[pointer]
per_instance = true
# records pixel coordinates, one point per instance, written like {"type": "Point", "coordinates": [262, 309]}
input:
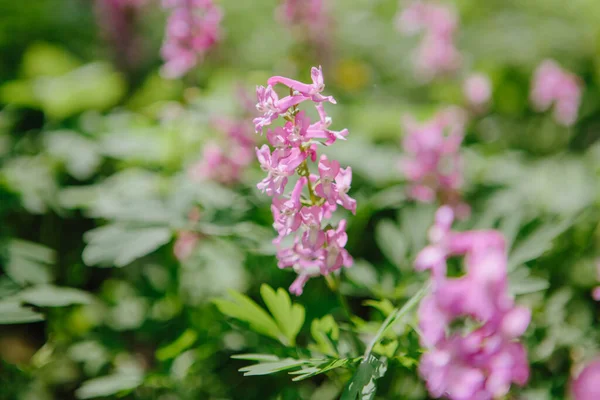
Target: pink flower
{"type": "Point", "coordinates": [328, 170]}
{"type": "Point", "coordinates": [484, 363]}
{"type": "Point", "coordinates": [279, 165]}
{"type": "Point", "coordinates": [185, 244]}
{"type": "Point", "coordinates": [287, 212]}
{"type": "Point", "coordinates": [554, 86]}
{"type": "Point", "coordinates": [336, 254]}
{"type": "Point", "coordinates": [193, 28]}
{"type": "Point", "coordinates": [478, 90]}
{"type": "Point", "coordinates": [434, 164]}
{"type": "Point", "coordinates": [585, 386]}
{"type": "Point", "coordinates": [436, 53]}
{"type": "Point", "coordinates": [308, 91]}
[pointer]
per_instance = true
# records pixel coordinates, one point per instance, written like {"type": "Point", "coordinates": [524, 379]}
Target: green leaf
{"type": "Point", "coordinates": [54, 296]}
{"type": "Point", "coordinates": [289, 318]}
{"type": "Point", "coordinates": [246, 310]}
{"type": "Point", "coordinates": [308, 372]}
{"type": "Point", "coordinates": [326, 333]}
{"type": "Point", "coordinates": [109, 385]}
{"type": "Point", "coordinates": [181, 344]}
{"type": "Point", "coordinates": [520, 282]}
{"type": "Point", "coordinates": [362, 385]}
{"type": "Point", "coordinates": [255, 357]}
{"type": "Point", "coordinates": [537, 243]}
{"type": "Point", "coordinates": [121, 245]}
{"type": "Point", "coordinates": [29, 262]}
{"type": "Point", "coordinates": [12, 312]}
{"type": "Point", "coordinates": [79, 154]}
{"type": "Point", "coordinates": [391, 242]}
{"type": "Point", "coordinates": [268, 368]}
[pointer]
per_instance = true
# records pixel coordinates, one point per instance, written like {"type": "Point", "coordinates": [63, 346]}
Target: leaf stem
{"type": "Point", "coordinates": [394, 317]}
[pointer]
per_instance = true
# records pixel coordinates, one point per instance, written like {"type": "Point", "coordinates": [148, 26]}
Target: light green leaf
{"type": "Point", "coordinates": [12, 312]}
{"type": "Point", "coordinates": [121, 245]}
{"type": "Point", "coordinates": [177, 347]}
{"type": "Point", "coordinates": [255, 357]}
{"type": "Point", "coordinates": [308, 372]}
{"type": "Point", "coordinates": [326, 333]}
{"type": "Point", "coordinates": [520, 282]}
{"type": "Point", "coordinates": [362, 385]}
{"type": "Point", "coordinates": [391, 242]}
{"type": "Point", "coordinates": [29, 262]}
{"type": "Point", "coordinates": [268, 368]}
{"type": "Point", "coordinates": [54, 296]}
{"type": "Point", "coordinates": [245, 309]}
{"type": "Point", "coordinates": [79, 154]}
{"type": "Point", "coordinates": [289, 318]}
{"type": "Point", "coordinates": [109, 385]}
{"type": "Point", "coordinates": [537, 243]}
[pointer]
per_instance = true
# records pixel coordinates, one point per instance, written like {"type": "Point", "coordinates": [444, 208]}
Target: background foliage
{"type": "Point", "coordinates": [94, 190]}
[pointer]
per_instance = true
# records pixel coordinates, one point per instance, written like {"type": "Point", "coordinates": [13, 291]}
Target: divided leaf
{"type": "Point", "coordinates": [119, 245]}
{"type": "Point", "coordinates": [284, 324]}
{"type": "Point", "coordinates": [289, 317]}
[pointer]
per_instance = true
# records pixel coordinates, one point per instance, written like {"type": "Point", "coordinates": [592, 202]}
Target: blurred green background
{"type": "Point", "coordinates": [94, 148]}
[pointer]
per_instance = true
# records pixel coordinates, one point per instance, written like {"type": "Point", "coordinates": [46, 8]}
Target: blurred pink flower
{"type": "Point", "coordinates": [586, 386]}
{"type": "Point", "coordinates": [478, 90]}
{"type": "Point", "coordinates": [485, 362]}
{"type": "Point", "coordinates": [552, 85]}
{"type": "Point", "coordinates": [185, 244]}
{"type": "Point", "coordinates": [434, 164]}
{"type": "Point", "coordinates": [192, 29]}
{"type": "Point", "coordinates": [436, 53]}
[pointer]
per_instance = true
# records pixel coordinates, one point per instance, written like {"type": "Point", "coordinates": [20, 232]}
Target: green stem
{"type": "Point", "coordinates": [394, 317]}
{"type": "Point", "coordinates": [334, 286]}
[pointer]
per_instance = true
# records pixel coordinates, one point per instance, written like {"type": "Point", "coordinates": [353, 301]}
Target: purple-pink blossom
{"type": "Point", "coordinates": [477, 89]}
{"type": "Point", "coordinates": [433, 166]}
{"type": "Point", "coordinates": [483, 363]}
{"type": "Point", "coordinates": [596, 290]}
{"type": "Point", "coordinates": [586, 386]}
{"type": "Point", "coordinates": [224, 161]}
{"type": "Point", "coordinates": [193, 28]}
{"type": "Point", "coordinates": [555, 87]}
{"type": "Point", "coordinates": [437, 53]}
{"type": "Point", "coordinates": [318, 246]}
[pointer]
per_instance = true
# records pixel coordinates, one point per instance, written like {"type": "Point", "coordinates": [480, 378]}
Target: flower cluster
{"type": "Point", "coordinates": [317, 247]}
{"type": "Point", "coordinates": [587, 384]}
{"type": "Point", "coordinates": [193, 28]}
{"type": "Point", "coordinates": [225, 163]}
{"type": "Point", "coordinates": [483, 363]}
{"type": "Point", "coordinates": [434, 165]}
{"type": "Point", "coordinates": [437, 53]}
{"type": "Point", "coordinates": [554, 86]}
